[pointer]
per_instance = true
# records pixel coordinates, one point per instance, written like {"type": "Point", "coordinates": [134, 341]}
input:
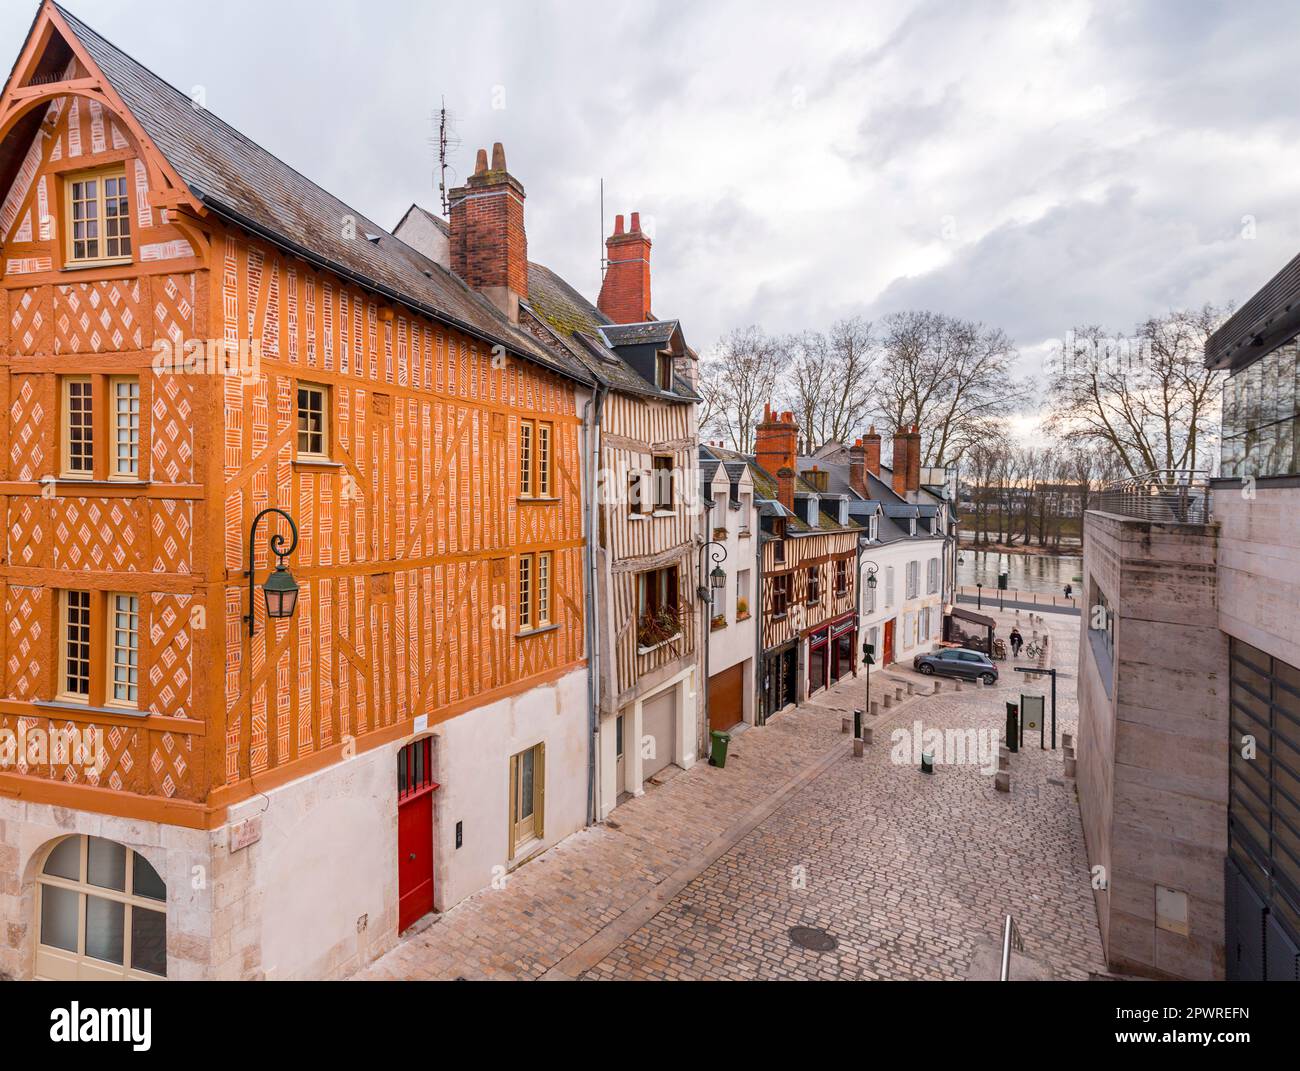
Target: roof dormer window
{"type": "Point", "coordinates": [664, 371]}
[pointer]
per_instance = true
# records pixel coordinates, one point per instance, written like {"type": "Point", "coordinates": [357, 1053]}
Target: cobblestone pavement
{"type": "Point", "coordinates": [704, 876]}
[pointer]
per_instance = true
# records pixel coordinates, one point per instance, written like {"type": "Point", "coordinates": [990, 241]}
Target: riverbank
{"type": "Point", "coordinates": [1069, 550]}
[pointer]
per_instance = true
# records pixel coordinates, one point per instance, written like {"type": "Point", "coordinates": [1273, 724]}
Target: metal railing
{"type": "Point", "coordinates": [1177, 496]}
{"type": "Point", "coordinates": [1010, 939]}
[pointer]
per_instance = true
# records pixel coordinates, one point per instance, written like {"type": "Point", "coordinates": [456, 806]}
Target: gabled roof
{"type": "Point", "coordinates": [424, 213]}
{"type": "Point", "coordinates": [239, 181]}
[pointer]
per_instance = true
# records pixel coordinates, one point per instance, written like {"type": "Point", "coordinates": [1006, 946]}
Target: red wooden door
{"type": "Point", "coordinates": [415, 788]}
{"type": "Point", "coordinates": [889, 643]}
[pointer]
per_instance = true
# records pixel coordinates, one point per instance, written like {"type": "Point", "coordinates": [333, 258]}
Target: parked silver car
{"type": "Point", "coordinates": [957, 662]}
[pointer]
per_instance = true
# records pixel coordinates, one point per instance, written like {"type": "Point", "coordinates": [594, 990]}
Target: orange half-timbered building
{"type": "Point", "coordinates": [193, 334]}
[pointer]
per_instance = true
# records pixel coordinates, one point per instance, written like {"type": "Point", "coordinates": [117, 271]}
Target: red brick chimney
{"type": "Point", "coordinates": [785, 488]}
{"type": "Point", "coordinates": [872, 442]}
{"type": "Point", "coordinates": [489, 248]}
{"type": "Point", "coordinates": [858, 468]}
{"type": "Point", "coordinates": [775, 445]}
{"type": "Point", "coordinates": [914, 459]}
{"type": "Point", "coordinates": [625, 293]}
{"type": "Point", "coordinates": [901, 460]}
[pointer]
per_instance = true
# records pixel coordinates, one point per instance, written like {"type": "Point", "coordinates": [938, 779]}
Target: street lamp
{"type": "Point", "coordinates": [717, 581]}
{"type": "Point", "coordinates": [868, 654]}
{"type": "Point", "coordinates": [280, 591]}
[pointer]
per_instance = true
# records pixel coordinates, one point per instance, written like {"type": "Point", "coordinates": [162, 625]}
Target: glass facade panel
{"type": "Point", "coordinates": [1261, 411]}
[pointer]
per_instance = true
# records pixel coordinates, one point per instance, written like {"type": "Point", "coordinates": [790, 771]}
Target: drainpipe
{"type": "Point", "coordinates": [861, 634]}
{"type": "Point", "coordinates": [759, 719]}
{"type": "Point", "coordinates": [591, 417]}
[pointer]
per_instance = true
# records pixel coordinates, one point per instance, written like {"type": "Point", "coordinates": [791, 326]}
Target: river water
{"type": "Point", "coordinates": [1045, 573]}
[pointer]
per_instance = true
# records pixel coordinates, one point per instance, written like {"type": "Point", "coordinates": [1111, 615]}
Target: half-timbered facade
{"type": "Point", "coordinates": [193, 334]}
{"type": "Point", "coordinates": [648, 614]}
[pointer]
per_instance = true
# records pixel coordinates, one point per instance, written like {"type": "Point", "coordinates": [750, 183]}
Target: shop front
{"type": "Point", "coordinates": [780, 681]}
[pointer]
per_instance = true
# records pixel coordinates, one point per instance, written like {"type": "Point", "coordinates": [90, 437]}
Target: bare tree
{"type": "Point", "coordinates": [833, 378]}
{"type": "Point", "coordinates": [948, 376]}
{"type": "Point", "coordinates": [1147, 401]}
{"type": "Point", "coordinates": [737, 378]}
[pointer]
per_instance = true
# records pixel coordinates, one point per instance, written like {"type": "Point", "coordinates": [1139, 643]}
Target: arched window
{"type": "Point", "coordinates": [102, 913]}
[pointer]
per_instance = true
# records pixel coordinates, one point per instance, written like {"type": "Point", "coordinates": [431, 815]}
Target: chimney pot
{"type": "Point", "coordinates": [489, 246]}
{"type": "Point", "coordinates": [625, 292]}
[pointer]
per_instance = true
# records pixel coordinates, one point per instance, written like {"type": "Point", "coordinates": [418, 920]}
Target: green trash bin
{"type": "Point", "coordinates": [720, 741]}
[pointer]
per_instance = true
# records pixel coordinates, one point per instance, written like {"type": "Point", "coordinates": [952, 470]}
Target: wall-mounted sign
{"type": "Point", "coordinates": [246, 832]}
{"type": "Point", "coordinates": [422, 723]}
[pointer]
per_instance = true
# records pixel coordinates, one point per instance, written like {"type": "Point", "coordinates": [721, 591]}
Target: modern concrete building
{"type": "Point", "coordinates": [1189, 691]}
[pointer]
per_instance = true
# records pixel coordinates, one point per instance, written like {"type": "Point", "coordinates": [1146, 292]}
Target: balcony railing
{"type": "Point", "coordinates": [1171, 496]}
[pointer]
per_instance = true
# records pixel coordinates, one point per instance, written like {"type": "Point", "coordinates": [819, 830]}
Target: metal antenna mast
{"type": "Point", "coordinates": [448, 142]}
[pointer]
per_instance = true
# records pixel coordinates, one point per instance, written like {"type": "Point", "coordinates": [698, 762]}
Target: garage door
{"type": "Point", "coordinates": [726, 698]}
{"type": "Point", "coordinates": [659, 719]}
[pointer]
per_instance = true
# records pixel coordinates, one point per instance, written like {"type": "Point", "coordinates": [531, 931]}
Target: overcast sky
{"type": "Point", "coordinates": [1033, 165]}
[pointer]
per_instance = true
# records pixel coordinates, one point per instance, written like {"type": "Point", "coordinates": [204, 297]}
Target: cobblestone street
{"type": "Point", "coordinates": [705, 875]}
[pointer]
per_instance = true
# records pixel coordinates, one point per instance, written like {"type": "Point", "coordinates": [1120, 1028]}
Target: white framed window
{"type": "Point", "coordinates": [102, 912]}
{"type": "Point", "coordinates": [932, 576]}
{"type": "Point", "coordinates": [889, 585]}
{"type": "Point", "coordinates": [913, 579]}
{"type": "Point", "coordinates": [124, 393]}
{"type": "Point", "coordinates": [124, 650]}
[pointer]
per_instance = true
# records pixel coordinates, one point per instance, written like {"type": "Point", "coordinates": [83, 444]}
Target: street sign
{"type": "Point", "coordinates": [1031, 718]}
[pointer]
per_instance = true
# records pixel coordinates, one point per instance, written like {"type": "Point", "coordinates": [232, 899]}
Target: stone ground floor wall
{"type": "Point", "coordinates": [182, 858]}
{"type": "Point", "coordinates": [314, 895]}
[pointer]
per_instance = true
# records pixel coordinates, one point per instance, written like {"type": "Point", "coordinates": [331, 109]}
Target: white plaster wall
{"type": "Point", "coordinates": [473, 767]}
{"type": "Point", "coordinates": [319, 890]}
{"type": "Point", "coordinates": [736, 643]}
{"type": "Point", "coordinates": [898, 555]}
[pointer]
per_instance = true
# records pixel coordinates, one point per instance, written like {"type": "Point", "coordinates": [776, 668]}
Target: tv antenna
{"type": "Point", "coordinates": [447, 142]}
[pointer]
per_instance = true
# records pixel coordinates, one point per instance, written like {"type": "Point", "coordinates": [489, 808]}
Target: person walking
{"type": "Point", "coordinates": [1017, 641]}
{"type": "Point", "coordinates": [1069, 591]}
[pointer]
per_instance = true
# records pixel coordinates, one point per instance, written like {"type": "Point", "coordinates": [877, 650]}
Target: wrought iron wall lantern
{"type": "Point", "coordinates": [280, 591]}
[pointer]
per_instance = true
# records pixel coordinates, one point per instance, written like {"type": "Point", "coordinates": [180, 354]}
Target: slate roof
{"type": "Point", "coordinates": [592, 338]}
{"type": "Point", "coordinates": [654, 332]}
{"type": "Point", "coordinates": [766, 492]}
{"type": "Point", "coordinates": [241, 182]}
